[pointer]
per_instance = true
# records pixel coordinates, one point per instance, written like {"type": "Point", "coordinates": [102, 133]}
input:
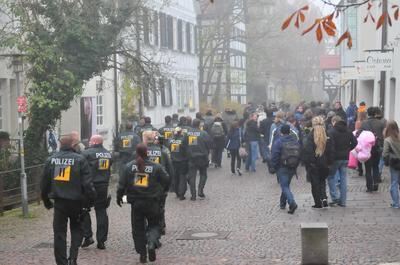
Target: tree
{"type": "Point", "coordinates": [65, 44]}
{"type": "Point", "coordinates": [327, 24]}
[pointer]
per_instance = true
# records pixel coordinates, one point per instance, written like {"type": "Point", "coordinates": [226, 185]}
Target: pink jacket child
{"type": "Point", "coordinates": [366, 140]}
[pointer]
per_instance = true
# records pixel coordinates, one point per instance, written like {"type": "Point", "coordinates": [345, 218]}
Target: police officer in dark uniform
{"type": "Point", "coordinates": [67, 180]}
{"type": "Point", "coordinates": [128, 140]}
{"type": "Point", "coordinates": [147, 127]}
{"type": "Point", "coordinates": [144, 182]}
{"type": "Point", "coordinates": [178, 146]}
{"type": "Point", "coordinates": [168, 130]}
{"type": "Point", "coordinates": [100, 161]}
{"type": "Point", "coordinates": [199, 145]}
{"type": "Point", "coordinates": [159, 154]}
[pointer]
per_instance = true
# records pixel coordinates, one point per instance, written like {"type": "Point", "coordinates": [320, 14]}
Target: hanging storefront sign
{"type": "Point", "coordinates": [377, 61]}
{"type": "Point", "coordinates": [362, 72]}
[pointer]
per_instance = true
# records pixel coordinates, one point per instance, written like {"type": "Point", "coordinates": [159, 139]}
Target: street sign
{"type": "Point", "coordinates": [22, 104]}
{"type": "Point", "coordinates": [362, 72]}
{"type": "Point", "coordinates": [377, 61]}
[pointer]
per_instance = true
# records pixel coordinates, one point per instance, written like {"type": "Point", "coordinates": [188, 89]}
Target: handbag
{"type": "Point", "coordinates": [353, 162]}
{"type": "Point", "coordinates": [242, 152]}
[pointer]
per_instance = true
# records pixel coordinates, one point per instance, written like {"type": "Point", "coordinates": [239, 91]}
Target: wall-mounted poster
{"type": "Point", "coordinates": [88, 118]}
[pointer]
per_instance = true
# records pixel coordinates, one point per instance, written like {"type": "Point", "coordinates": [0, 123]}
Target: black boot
{"type": "Point", "coordinates": [152, 252]}
{"type": "Point", "coordinates": [143, 258]}
{"type": "Point", "coordinates": [72, 262]}
{"type": "Point", "coordinates": [87, 242]}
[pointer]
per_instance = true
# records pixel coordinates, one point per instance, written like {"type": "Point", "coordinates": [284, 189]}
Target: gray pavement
{"type": "Point", "coordinates": [244, 208]}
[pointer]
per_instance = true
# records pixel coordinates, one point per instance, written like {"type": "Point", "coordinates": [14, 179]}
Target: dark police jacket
{"type": "Point", "coordinates": [199, 144]}
{"type": "Point", "coordinates": [167, 132]}
{"type": "Point", "coordinates": [178, 146]}
{"type": "Point", "coordinates": [147, 185]}
{"type": "Point", "coordinates": [160, 155]}
{"type": "Point", "coordinates": [127, 145]}
{"type": "Point", "coordinates": [67, 176]}
{"type": "Point", "coordinates": [100, 161]}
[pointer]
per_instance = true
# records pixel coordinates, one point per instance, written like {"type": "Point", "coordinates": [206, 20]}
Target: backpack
{"type": "Point", "coordinates": [217, 130]}
{"type": "Point", "coordinates": [290, 154]}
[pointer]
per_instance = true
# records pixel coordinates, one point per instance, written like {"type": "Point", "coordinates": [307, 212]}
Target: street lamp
{"type": "Point", "coordinates": [100, 84]}
{"type": "Point", "coordinates": [18, 68]}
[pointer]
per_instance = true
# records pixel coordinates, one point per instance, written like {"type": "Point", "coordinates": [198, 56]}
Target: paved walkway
{"type": "Point", "coordinates": [246, 209]}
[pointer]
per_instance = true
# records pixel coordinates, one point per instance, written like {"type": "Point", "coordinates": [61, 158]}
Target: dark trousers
{"type": "Point", "coordinates": [193, 168]}
{"type": "Point", "coordinates": [145, 217]}
{"type": "Point", "coordinates": [216, 155]}
{"type": "Point", "coordinates": [162, 201]}
{"type": "Point", "coordinates": [360, 169]}
{"type": "Point", "coordinates": [65, 210]}
{"type": "Point", "coordinates": [100, 207]}
{"type": "Point", "coordinates": [236, 161]}
{"type": "Point", "coordinates": [181, 180]}
{"type": "Point", "coordinates": [372, 171]}
{"type": "Point", "coordinates": [318, 184]}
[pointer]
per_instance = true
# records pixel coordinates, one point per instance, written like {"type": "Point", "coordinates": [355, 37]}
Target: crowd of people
{"type": "Point", "coordinates": [153, 162]}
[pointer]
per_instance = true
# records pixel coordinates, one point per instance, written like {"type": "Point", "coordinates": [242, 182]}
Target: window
{"type": "Point", "coordinates": [195, 39]}
{"type": "Point", "coordinates": [146, 26]}
{"type": "Point", "coordinates": [352, 24]}
{"type": "Point", "coordinates": [170, 32]}
{"type": "Point", "coordinates": [180, 40]}
{"type": "Point", "coordinates": [188, 38]}
{"type": "Point", "coordinates": [165, 88]}
{"type": "Point", "coordinates": [155, 28]}
{"type": "Point", "coordinates": [163, 30]}
{"type": "Point", "coordinates": [152, 98]}
{"type": "Point", "coordinates": [100, 110]}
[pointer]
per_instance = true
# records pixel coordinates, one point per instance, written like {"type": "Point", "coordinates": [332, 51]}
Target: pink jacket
{"type": "Point", "coordinates": [366, 141]}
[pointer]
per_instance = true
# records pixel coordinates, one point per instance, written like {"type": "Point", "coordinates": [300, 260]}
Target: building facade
{"type": "Point", "coordinates": [222, 51]}
{"type": "Point", "coordinates": [361, 75]}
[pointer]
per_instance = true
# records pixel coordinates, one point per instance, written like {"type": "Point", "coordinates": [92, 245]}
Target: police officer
{"type": "Point", "coordinates": [159, 154]}
{"type": "Point", "coordinates": [178, 148]}
{"type": "Point", "coordinates": [199, 144]}
{"type": "Point", "coordinates": [144, 182]}
{"type": "Point", "coordinates": [168, 130]}
{"type": "Point", "coordinates": [147, 127]}
{"type": "Point", "coordinates": [67, 180]}
{"type": "Point", "coordinates": [100, 161]}
{"type": "Point", "coordinates": [128, 140]}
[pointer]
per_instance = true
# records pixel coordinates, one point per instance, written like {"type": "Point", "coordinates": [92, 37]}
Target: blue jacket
{"type": "Point", "coordinates": [277, 149]}
{"type": "Point", "coordinates": [234, 138]}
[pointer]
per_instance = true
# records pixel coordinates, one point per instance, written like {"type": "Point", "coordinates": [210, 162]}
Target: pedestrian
{"type": "Point", "coordinates": [178, 147]}
{"type": "Point", "coordinates": [199, 145]}
{"type": "Point", "coordinates": [265, 130]}
{"type": "Point", "coordinates": [233, 143]}
{"type": "Point", "coordinates": [317, 155]}
{"type": "Point", "coordinates": [218, 133]}
{"type": "Point", "coordinates": [391, 156]}
{"type": "Point", "coordinates": [138, 128]}
{"type": "Point", "coordinates": [285, 158]}
{"type": "Point", "coordinates": [375, 126]}
{"type": "Point", "coordinates": [343, 142]}
{"type": "Point", "coordinates": [340, 111]}
{"type": "Point", "coordinates": [175, 120]}
{"type": "Point", "coordinates": [252, 139]}
{"type": "Point", "coordinates": [159, 154]}
{"type": "Point", "coordinates": [67, 180]}
{"type": "Point", "coordinates": [52, 142]}
{"type": "Point", "coordinates": [144, 183]}
{"type": "Point", "coordinates": [208, 120]}
{"type": "Point", "coordinates": [276, 127]}
{"type": "Point", "coordinates": [147, 127]}
{"type": "Point", "coordinates": [100, 161]}
{"type": "Point", "coordinates": [351, 114]}
{"type": "Point", "coordinates": [299, 113]}
{"type": "Point", "coordinates": [168, 130]}
{"type": "Point", "coordinates": [127, 142]}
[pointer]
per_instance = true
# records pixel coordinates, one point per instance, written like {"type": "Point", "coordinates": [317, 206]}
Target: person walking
{"type": "Point", "coordinates": [252, 138]}
{"type": "Point", "coordinates": [351, 114]}
{"type": "Point", "coordinates": [199, 144]}
{"type": "Point", "coordinates": [285, 158]}
{"type": "Point", "coordinates": [233, 143]}
{"type": "Point", "coordinates": [340, 111]}
{"type": "Point", "coordinates": [127, 142]}
{"type": "Point", "coordinates": [375, 126]}
{"type": "Point", "coordinates": [67, 180]}
{"type": "Point", "coordinates": [343, 142]}
{"type": "Point", "coordinates": [178, 147]}
{"type": "Point", "coordinates": [144, 183]}
{"type": "Point", "coordinates": [218, 132]}
{"type": "Point", "coordinates": [168, 130]}
{"type": "Point", "coordinates": [317, 155]}
{"type": "Point", "coordinates": [265, 130]}
{"type": "Point", "coordinates": [100, 161]}
{"type": "Point", "coordinates": [391, 156]}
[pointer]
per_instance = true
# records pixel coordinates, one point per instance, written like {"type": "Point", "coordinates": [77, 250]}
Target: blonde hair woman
{"type": "Point", "coordinates": [318, 156]}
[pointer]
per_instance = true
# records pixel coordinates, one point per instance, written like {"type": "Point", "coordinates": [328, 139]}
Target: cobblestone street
{"type": "Point", "coordinates": [246, 208]}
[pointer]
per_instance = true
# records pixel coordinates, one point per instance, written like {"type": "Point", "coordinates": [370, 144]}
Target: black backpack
{"type": "Point", "coordinates": [290, 154]}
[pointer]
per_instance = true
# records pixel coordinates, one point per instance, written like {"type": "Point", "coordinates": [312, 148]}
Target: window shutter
{"type": "Point", "coordinates": [155, 28]}
{"type": "Point", "coordinates": [162, 90]}
{"type": "Point", "coordinates": [188, 39]}
{"type": "Point", "coordinates": [180, 45]}
{"type": "Point", "coordinates": [146, 25]}
{"type": "Point", "coordinates": [170, 92]}
{"type": "Point", "coordinates": [163, 30]}
{"type": "Point", "coordinates": [170, 33]}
